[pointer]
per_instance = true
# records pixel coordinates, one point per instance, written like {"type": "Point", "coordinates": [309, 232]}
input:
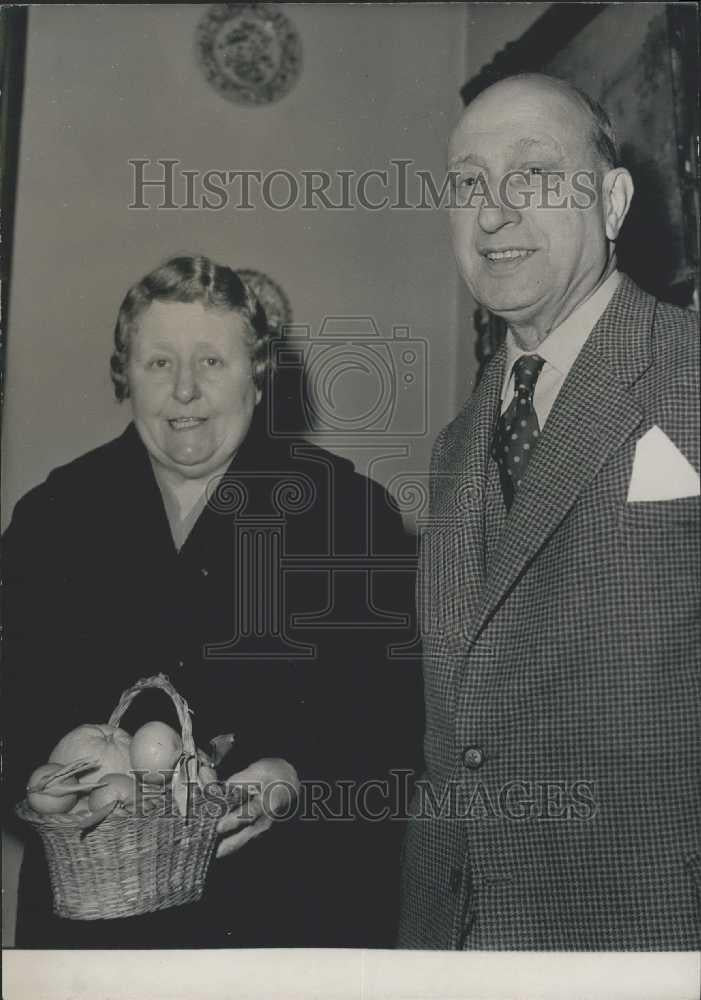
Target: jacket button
{"type": "Point", "coordinates": [473, 757]}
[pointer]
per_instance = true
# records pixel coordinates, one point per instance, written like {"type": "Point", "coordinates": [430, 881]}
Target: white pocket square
{"type": "Point", "coordinates": [660, 471]}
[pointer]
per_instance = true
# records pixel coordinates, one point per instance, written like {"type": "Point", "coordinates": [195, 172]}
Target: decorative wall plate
{"type": "Point", "coordinates": [277, 306]}
{"type": "Point", "coordinates": [249, 52]}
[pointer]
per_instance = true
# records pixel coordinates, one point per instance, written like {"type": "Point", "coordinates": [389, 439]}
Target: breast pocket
{"type": "Point", "coordinates": [662, 521]}
{"type": "Point", "coordinates": [659, 546]}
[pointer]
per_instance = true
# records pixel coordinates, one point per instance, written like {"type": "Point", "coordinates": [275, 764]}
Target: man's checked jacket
{"type": "Point", "coordinates": [561, 803]}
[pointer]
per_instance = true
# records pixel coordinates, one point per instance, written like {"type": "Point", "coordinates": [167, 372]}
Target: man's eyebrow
{"type": "Point", "coordinates": [465, 159]}
{"type": "Point", "coordinates": [527, 146]}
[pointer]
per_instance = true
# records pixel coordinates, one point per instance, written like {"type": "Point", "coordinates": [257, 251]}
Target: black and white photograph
{"type": "Point", "coordinates": [351, 501]}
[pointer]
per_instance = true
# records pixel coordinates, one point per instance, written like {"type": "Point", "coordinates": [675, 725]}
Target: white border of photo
{"type": "Point", "coordinates": [349, 975]}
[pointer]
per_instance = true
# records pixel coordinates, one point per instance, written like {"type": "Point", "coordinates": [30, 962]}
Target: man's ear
{"type": "Point", "coordinates": [617, 192]}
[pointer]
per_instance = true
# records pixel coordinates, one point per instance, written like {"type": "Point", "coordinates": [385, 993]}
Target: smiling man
{"type": "Point", "coordinates": [539, 251]}
{"type": "Point", "coordinates": [560, 805]}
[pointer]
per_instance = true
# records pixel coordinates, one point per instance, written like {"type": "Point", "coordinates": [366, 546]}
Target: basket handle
{"type": "Point", "coordinates": [181, 706]}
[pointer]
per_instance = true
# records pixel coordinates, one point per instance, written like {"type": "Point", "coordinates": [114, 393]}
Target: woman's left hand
{"type": "Point", "coordinates": [270, 787]}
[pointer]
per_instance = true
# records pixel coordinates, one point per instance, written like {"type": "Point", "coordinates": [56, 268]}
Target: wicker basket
{"type": "Point", "coordinates": [129, 865]}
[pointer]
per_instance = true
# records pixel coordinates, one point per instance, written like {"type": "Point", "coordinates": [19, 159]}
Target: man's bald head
{"type": "Point", "coordinates": [602, 134]}
{"type": "Point", "coordinates": [597, 123]}
{"type": "Point", "coordinates": [528, 245]}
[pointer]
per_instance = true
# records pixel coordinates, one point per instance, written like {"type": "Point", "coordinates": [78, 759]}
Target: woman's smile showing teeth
{"type": "Point", "coordinates": [186, 423]}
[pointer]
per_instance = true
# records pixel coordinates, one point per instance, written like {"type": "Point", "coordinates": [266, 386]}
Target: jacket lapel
{"type": "Point", "coordinates": [143, 514]}
{"type": "Point", "coordinates": [453, 565]}
{"type": "Point", "coordinates": [594, 414]}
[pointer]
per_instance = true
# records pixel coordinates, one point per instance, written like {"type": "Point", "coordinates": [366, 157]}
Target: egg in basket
{"type": "Point", "coordinates": [128, 823]}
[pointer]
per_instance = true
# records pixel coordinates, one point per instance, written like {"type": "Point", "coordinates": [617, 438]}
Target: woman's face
{"type": "Point", "coordinates": [191, 386]}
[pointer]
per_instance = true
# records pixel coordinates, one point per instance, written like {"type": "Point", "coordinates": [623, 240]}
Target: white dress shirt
{"type": "Point", "coordinates": [559, 350]}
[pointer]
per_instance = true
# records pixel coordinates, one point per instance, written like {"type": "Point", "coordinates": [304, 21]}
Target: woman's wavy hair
{"type": "Point", "coordinates": [190, 279]}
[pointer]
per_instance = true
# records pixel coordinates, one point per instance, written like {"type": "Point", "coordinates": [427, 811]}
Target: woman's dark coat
{"type": "Point", "coordinates": [97, 596]}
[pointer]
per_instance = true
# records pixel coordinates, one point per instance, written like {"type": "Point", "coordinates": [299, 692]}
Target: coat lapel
{"type": "Point", "coordinates": [143, 514]}
{"type": "Point", "coordinates": [453, 565]}
{"type": "Point", "coordinates": [595, 413]}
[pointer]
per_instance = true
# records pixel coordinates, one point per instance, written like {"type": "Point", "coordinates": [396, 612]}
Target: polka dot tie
{"type": "Point", "coordinates": [517, 430]}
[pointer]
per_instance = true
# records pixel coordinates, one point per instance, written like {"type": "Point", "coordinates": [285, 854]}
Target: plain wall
{"type": "Point", "coordinates": [105, 84]}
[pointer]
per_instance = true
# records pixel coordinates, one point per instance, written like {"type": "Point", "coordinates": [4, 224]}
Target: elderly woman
{"type": "Point", "coordinates": [192, 544]}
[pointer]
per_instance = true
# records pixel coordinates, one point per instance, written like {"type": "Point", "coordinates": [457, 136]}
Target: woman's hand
{"type": "Point", "coordinates": [270, 787]}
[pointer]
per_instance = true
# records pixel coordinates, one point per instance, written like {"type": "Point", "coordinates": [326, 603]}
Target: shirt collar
{"type": "Point", "coordinates": [562, 345]}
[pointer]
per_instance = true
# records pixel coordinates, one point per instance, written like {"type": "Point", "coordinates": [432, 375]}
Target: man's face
{"type": "Point", "coordinates": [191, 386]}
{"type": "Point", "coordinates": [533, 264]}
